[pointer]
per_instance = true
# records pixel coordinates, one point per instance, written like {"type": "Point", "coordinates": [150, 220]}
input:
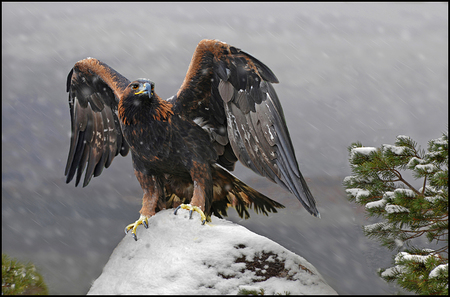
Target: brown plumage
{"type": "Point", "coordinates": [183, 148]}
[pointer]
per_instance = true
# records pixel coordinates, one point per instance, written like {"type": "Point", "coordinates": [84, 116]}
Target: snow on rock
{"type": "Point", "coordinates": [176, 255]}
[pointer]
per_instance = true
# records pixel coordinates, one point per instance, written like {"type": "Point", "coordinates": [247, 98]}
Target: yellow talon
{"type": "Point", "coordinates": [143, 220]}
{"type": "Point", "coordinates": [191, 209]}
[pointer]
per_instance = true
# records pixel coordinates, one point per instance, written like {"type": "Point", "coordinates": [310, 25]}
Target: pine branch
{"type": "Point", "coordinates": [424, 184]}
{"type": "Point", "coordinates": [407, 213]}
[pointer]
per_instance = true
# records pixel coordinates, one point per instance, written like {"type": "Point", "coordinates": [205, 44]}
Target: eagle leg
{"type": "Point", "coordinates": [191, 210]}
{"type": "Point", "coordinates": [202, 179]}
{"type": "Point", "coordinates": [143, 220]}
{"type": "Point", "coordinates": [152, 188]}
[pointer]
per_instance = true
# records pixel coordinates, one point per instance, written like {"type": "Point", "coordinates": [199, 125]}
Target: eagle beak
{"type": "Point", "coordinates": [147, 88]}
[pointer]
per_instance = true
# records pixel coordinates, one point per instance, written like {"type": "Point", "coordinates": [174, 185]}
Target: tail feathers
{"type": "Point", "coordinates": [230, 191]}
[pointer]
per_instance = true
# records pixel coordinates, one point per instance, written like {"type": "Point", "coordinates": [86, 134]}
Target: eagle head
{"type": "Point", "coordinates": [142, 87]}
{"type": "Point", "coordinates": [140, 104]}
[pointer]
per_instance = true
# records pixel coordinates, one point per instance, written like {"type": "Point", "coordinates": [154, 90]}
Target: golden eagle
{"type": "Point", "coordinates": [183, 148]}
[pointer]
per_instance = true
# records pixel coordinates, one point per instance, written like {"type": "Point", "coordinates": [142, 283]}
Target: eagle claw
{"type": "Point", "coordinates": [191, 210]}
{"type": "Point", "coordinates": [143, 220]}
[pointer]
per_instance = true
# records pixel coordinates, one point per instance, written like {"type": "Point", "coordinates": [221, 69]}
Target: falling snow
{"type": "Point", "coordinates": [348, 72]}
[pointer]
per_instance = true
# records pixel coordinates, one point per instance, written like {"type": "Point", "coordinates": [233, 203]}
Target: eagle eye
{"type": "Point", "coordinates": [134, 86]}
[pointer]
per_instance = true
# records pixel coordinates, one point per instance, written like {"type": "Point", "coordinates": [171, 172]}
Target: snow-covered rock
{"type": "Point", "coordinates": [176, 255]}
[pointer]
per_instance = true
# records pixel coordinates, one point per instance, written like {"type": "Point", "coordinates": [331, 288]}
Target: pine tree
{"type": "Point", "coordinates": [21, 278]}
{"type": "Point", "coordinates": [405, 212]}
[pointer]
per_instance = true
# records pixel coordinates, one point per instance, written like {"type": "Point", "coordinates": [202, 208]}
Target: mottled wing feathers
{"type": "Point", "coordinates": [228, 191]}
{"type": "Point", "coordinates": [96, 137]}
{"type": "Point", "coordinates": [229, 93]}
{"type": "Point", "coordinates": [238, 195]}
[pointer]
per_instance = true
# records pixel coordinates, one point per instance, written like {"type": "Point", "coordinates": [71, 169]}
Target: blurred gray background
{"type": "Point", "coordinates": [348, 72]}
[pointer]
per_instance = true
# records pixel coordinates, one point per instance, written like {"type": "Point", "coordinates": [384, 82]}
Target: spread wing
{"type": "Point", "coordinates": [229, 93]}
{"type": "Point", "coordinates": [94, 91]}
